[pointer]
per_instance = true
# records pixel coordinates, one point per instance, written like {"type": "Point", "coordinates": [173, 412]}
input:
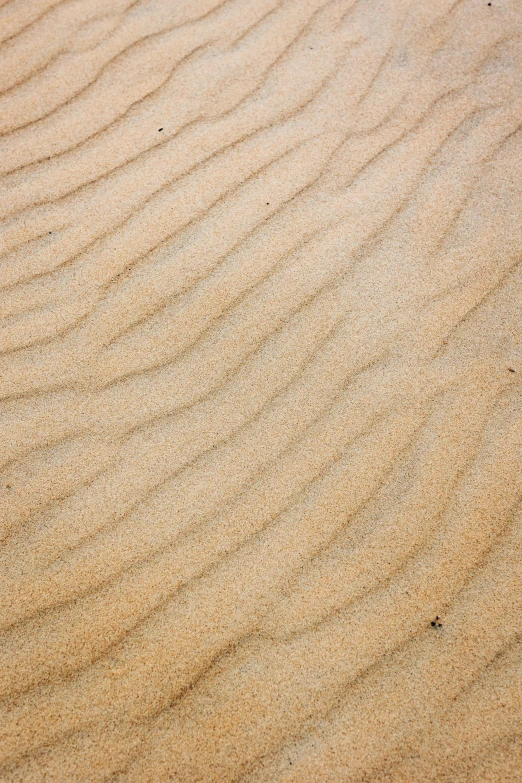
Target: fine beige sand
{"type": "Point", "coordinates": [260, 375]}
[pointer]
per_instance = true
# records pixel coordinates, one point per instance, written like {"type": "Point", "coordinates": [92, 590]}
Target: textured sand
{"type": "Point", "coordinates": [261, 417]}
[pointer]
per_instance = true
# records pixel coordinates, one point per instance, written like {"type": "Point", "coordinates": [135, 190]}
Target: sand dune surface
{"type": "Point", "coordinates": [260, 391]}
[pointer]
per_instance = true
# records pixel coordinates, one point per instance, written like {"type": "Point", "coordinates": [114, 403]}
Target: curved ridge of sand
{"type": "Point", "coordinates": [261, 431]}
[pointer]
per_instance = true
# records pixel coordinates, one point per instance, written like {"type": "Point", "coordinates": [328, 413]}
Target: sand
{"type": "Point", "coordinates": [260, 376]}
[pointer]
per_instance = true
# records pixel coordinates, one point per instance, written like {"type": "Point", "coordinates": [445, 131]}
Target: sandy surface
{"type": "Point", "coordinates": [261, 417]}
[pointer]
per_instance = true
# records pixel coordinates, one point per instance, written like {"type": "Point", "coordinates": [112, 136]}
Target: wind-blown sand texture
{"type": "Point", "coordinates": [261, 419]}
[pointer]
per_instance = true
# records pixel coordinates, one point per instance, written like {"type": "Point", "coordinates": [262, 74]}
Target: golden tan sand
{"type": "Point", "coordinates": [261, 369]}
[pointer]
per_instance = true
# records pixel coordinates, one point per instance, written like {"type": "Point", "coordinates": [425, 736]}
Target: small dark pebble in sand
{"type": "Point", "coordinates": [510, 369]}
{"type": "Point", "coordinates": [433, 623]}
{"type": "Point", "coordinates": [160, 129]}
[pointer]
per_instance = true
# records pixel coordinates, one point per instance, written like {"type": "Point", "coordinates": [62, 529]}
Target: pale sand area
{"type": "Point", "coordinates": [261, 418]}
